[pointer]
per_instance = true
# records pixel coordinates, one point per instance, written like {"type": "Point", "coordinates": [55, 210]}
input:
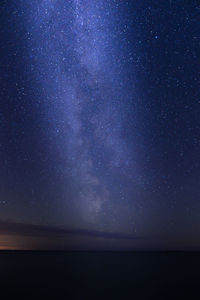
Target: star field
{"type": "Point", "coordinates": [99, 117]}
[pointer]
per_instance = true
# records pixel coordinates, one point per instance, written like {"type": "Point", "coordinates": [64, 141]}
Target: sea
{"type": "Point", "coordinates": [99, 275]}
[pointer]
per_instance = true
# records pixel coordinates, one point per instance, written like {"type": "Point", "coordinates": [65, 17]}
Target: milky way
{"type": "Point", "coordinates": [82, 78]}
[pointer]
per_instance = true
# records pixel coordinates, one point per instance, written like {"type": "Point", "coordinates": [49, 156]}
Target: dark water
{"type": "Point", "coordinates": [99, 275]}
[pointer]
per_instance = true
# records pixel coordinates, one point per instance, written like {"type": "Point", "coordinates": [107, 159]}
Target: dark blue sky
{"type": "Point", "coordinates": [99, 122]}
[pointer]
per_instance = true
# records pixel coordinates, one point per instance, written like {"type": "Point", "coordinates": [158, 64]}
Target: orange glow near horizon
{"type": "Point", "coordinates": [9, 242]}
{"type": "Point", "coordinates": [8, 248]}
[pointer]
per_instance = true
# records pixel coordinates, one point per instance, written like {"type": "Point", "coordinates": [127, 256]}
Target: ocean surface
{"type": "Point", "coordinates": [99, 275]}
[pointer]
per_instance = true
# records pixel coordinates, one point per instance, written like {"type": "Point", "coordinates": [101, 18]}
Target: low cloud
{"type": "Point", "coordinates": [20, 229]}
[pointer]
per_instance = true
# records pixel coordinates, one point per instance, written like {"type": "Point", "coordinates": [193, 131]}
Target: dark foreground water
{"type": "Point", "coordinates": [99, 275]}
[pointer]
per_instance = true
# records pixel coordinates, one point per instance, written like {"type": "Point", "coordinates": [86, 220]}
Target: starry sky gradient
{"type": "Point", "coordinates": [99, 123]}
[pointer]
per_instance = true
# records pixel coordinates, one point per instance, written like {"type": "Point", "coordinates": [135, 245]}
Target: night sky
{"type": "Point", "coordinates": [100, 124]}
